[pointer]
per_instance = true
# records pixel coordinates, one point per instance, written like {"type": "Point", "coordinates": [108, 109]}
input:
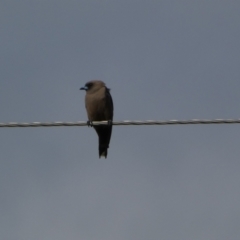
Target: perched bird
{"type": "Point", "coordinates": [99, 106]}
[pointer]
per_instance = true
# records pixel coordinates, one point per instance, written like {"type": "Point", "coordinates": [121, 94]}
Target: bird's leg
{"type": "Point", "coordinates": [89, 123]}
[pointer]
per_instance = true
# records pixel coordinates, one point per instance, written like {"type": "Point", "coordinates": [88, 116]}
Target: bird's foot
{"type": "Point", "coordinates": [89, 123]}
{"type": "Point", "coordinates": [109, 122]}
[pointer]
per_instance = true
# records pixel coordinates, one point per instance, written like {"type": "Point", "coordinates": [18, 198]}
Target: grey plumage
{"type": "Point", "coordinates": [99, 106]}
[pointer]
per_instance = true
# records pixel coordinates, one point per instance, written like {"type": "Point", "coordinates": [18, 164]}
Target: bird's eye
{"type": "Point", "coordinates": [89, 85]}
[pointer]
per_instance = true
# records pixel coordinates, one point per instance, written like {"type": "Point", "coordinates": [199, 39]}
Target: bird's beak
{"type": "Point", "coordinates": [84, 88]}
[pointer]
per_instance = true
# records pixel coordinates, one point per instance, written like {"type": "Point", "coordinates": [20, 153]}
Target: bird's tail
{"type": "Point", "coordinates": [103, 151]}
{"type": "Point", "coordinates": [104, 135]}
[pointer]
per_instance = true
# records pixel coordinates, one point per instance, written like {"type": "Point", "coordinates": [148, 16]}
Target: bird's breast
{"type": "Point", "coordinates": [95, 107]}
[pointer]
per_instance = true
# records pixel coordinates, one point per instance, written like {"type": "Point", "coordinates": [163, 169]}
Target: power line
{"type": "Point", "coordinates": [121, 123]}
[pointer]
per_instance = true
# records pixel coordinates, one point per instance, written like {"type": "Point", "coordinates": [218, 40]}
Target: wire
{"type": "Point", "coordinates": [121, 123]}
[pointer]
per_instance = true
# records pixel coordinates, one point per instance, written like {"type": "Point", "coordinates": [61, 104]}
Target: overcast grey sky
{"type": "Point", "coordinates": [162, 60]}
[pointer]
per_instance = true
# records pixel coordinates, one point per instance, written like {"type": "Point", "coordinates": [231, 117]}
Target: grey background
{"type": "Point", "coordinates": [163, 60]}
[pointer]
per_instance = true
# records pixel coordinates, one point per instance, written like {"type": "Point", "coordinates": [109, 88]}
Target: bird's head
{"type": "Point", "coordinates": [93, 86]}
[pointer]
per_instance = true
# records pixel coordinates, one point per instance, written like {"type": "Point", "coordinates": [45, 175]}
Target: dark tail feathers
{"type": "Point", "coordinates": [102, 151]}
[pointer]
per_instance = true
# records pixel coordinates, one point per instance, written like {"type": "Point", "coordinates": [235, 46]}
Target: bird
{"type": "Point", "coordinates": [99, 107]}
